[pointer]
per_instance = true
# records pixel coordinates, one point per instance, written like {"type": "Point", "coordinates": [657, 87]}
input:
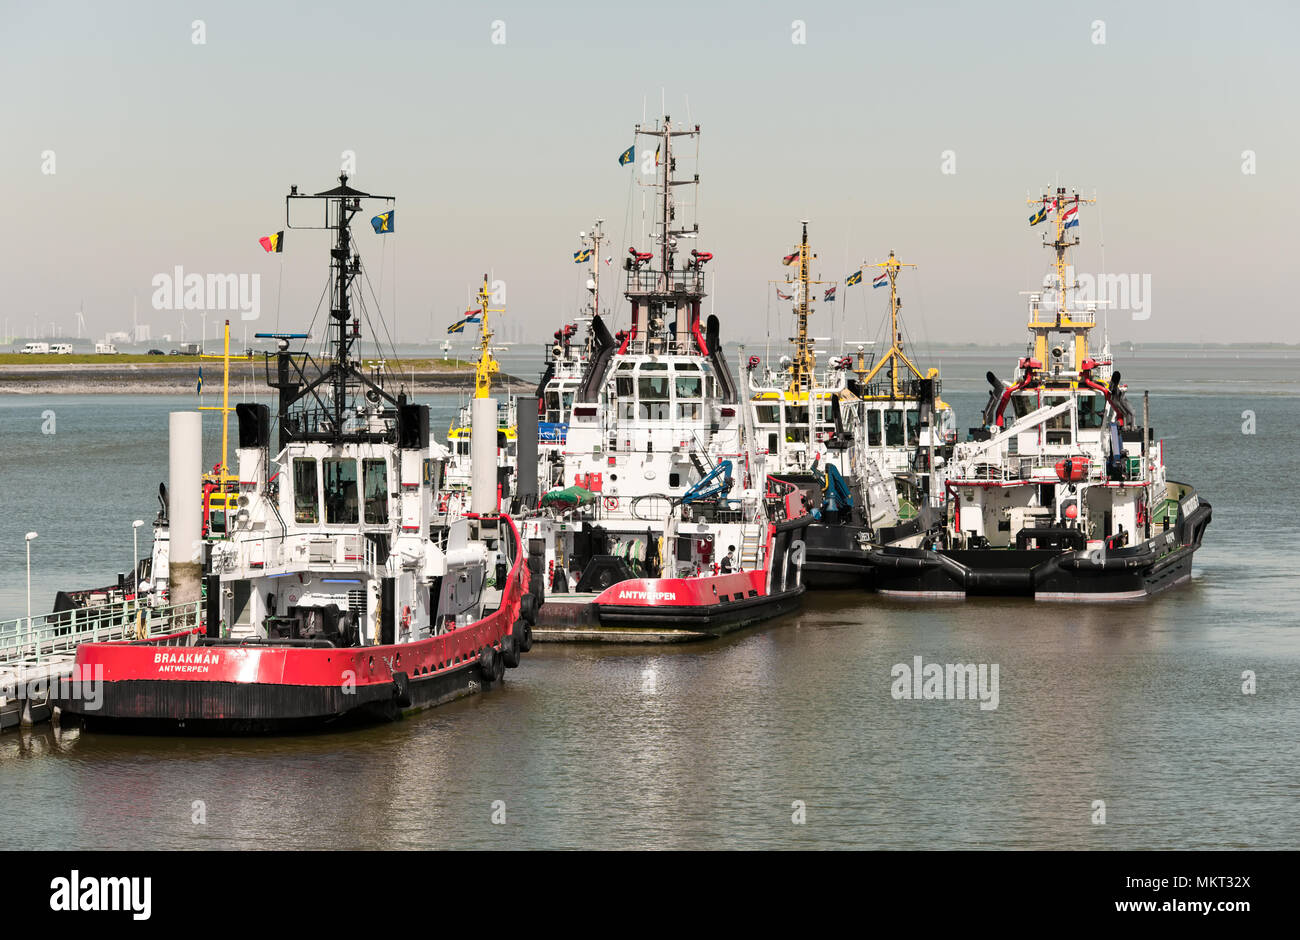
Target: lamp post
{"type": "Point", "coordinates": [135, 557]}
{"type": "Point", "coordinates": [30, 537]}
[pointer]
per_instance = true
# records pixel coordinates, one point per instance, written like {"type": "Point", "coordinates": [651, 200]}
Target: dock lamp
{"type": "Point", "coordinates": [30, 537]}
{"type": "Point", "coordinates": [135, 557]}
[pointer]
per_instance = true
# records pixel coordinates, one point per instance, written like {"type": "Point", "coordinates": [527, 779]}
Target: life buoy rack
{"type": "Point", "coordinates": [443, 500]}
{"type": "Point", "coordinates": [406, 616]}
{"type": "Point", "coordinates": [611, 502]}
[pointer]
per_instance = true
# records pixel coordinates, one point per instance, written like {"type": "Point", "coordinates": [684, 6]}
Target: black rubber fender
{"type": "Point", "coordinates": [487, 663]}
{"type": "Point", "coordinates": [528, 607]}
{"type": "Point", "coordinates": [510, 651]}
{"type": "Point", "coordinates": [523, 630]}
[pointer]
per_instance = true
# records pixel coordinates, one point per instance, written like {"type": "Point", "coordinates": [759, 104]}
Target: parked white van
{"type": "Point", "coordinates": [105, 349]}
{"type": "Point", "coordinates": [61, 349]}
{"type": "Point", "coordinates": [36, 348]}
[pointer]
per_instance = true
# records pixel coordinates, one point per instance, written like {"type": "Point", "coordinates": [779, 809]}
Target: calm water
{"type": "Point", "coordinates": [1136, 704]}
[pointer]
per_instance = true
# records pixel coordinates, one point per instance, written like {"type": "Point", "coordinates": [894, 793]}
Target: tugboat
{"type": "Point", "coordinates": [566, 358]}
{"type": "Point", "coordinates": [859, 447]}
{"type": "Point", "coordinates": [661, 481]}
{"type": "Point", "coordinates": [1062, 494]}
{"type": "Point", "coordinates": [331, 594]}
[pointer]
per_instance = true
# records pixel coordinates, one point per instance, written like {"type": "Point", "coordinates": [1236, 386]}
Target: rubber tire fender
{"type": "Point", "coordinates": [510, 651]}
{"type": "Point", "coordinates": [487, 663]}
{"type": "Point", "coordinates": [523, 630]}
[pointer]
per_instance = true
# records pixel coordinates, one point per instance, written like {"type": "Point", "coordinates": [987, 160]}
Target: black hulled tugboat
{"type": "Point", "coordinates": [1062, 494]}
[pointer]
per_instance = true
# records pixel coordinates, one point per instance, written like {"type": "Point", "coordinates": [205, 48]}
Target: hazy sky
{"type": "Point", "coordinates": [170, 153]}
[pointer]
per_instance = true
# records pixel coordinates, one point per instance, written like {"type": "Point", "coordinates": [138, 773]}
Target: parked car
{"type": "Point", "coordinates": [156, 352]}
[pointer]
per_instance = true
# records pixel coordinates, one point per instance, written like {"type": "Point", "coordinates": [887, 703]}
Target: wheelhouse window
{"type": "Point", "coordinates": [688, 386]}
{"type": "Point", "coordinates": [1024, 403]}
{"type": "Point", "coordinates": [652, 392]}
{"type": "Point", "coordinates": [688, 410]}
{"type": "Point", "coordinates": [1058, 427]}
{"type": "Point", "coordinates": [873, 428]}
{"type": "Point", "coordinates": [893, 428]}
{"type": "Point", "coordinates": [796, 414]}
{"type": "Point", "coordinates": [913, 425]}
{"type": "Point", "coordinates": [374, 472]}
{"type": "Point", "coordinates": [305, 493]}
{"type": "Point", "coordinates": [340, 491]}
{"type": "Point", "coordinates": [768, 414]}
{"type": "Point", "coordinates": [1092, 411]}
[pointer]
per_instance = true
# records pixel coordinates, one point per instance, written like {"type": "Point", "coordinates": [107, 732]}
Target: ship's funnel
{"type": "Point", "coordinates": [483, 454]}
{"type": "Point", "coordinates": [185, 486]}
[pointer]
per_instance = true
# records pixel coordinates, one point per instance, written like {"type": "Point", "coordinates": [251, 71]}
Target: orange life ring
{"type": "Point", "coordinates": [442, 502]}
{"type": "Point", "coordinates": [406, 616]}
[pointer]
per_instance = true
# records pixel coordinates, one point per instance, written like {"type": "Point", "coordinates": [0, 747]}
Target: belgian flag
{"type": "Point", "coordinates": [273, 242]}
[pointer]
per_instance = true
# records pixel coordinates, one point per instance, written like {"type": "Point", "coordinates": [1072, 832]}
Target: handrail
{"type": "Point", "coordinates": [55, 634]}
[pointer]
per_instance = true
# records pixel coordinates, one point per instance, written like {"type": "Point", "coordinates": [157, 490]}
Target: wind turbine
{"type": "Point", "coordinates": [81, 324]}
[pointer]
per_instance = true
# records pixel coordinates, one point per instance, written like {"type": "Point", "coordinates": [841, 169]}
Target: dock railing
{"type": "Point", "coordinates": [30, 640]}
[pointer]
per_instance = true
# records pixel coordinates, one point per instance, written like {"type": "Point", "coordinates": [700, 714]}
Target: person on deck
{"type": "Point", "coordinates": [729, 560]}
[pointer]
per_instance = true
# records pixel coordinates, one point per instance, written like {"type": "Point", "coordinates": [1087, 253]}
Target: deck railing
{"type": "Point", "coordinates": [32, 639]}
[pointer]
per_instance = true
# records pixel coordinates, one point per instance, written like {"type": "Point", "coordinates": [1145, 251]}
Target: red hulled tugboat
{"type": "Point", "coordinates": [329, 591]}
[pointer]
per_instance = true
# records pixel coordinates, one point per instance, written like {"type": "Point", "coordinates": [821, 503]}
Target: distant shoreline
{"type": "Point", "coordinates": [168, 378]}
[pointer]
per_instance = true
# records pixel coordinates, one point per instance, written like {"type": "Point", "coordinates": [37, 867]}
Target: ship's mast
{"type": "Point", "coordinates": [891, 266]}
{"type": "Point", "coordinates": [803, 367]}
{"type": "Point", "coordinates": [1066, 209]}
{"type": "Point", "coordinates": [595, 239]}
{"type": "Point", "coordinates": [652, 283]}
{"type": "Point", "coordinates": [332, 408]}
{"type": "Point", "coordinates": [486, 366]}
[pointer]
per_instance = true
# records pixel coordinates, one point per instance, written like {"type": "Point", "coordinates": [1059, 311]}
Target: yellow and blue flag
{"type": "Point", "coordinates": [627, 156]}
{"type": "Point", "coordinates": [199, 390]}
{"type": "Point", "coordinates": [1038, 216]}
{"type": "Point", "coordinates": [385, 222]}
{"type": "Point", "coordinates": [854, 278]}
{"type": "Point", "coordinates": [581, 256]}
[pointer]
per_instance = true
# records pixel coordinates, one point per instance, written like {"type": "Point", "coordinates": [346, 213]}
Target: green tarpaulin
{"type": "Point", "coordinates": [569, 496]}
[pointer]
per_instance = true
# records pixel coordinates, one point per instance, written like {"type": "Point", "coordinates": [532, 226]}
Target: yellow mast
{"type": "Point", "coordinates": [803, 368]}
{"type": "Point", "coordinates": [892, 266]}
{"type": "Point", "coordinates": [1065, 320]}
{"type": "Point", "coordinates": [486, 366]}
{"type": "Point", "coordinates": [223, 474]}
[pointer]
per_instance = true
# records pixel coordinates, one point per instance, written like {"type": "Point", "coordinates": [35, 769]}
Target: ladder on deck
{"type": "Point", "coordinates": [751, 542]}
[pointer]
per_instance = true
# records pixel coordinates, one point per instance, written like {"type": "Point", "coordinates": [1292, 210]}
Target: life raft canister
{"type": "Point", "coordinates": [1072, 469]}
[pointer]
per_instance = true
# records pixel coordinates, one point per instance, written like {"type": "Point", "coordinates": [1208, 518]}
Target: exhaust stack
{"type": "Point", "coordinates": [185, 486]}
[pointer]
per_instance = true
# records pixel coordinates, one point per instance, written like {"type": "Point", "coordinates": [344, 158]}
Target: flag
{"type": "Point", "coordinates": [581, 256]}
{"type": "Point", "coordinates": [471, 316]}
{"type": "Point", "coordinates": [853, 279]}
{"type": "Point", "coordinates": [830, 295]}
{"type": "Point", "coordinates": [627, 156]}
{"type": "Point", "coordinates": [783, 296]}
{"type": "Point", "coordinates": [1038, 216]}
{"type": "Point", "coordinates": [385, 222]}
{"type": "Point", "coordinates": [880, 280]}
{"type": "Point", "coordinates": [1072, 223]}
{"type": "Point", "coordinates": [272, 242]}
{"type": "Point", "coordinates": [790, 259]}
{"type": "Point", "coordinates": [199, 390]}
{"type": "Point", "coordinates": [656, 154]}
{"type": "Point", "coordinates": [1071, 216]}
